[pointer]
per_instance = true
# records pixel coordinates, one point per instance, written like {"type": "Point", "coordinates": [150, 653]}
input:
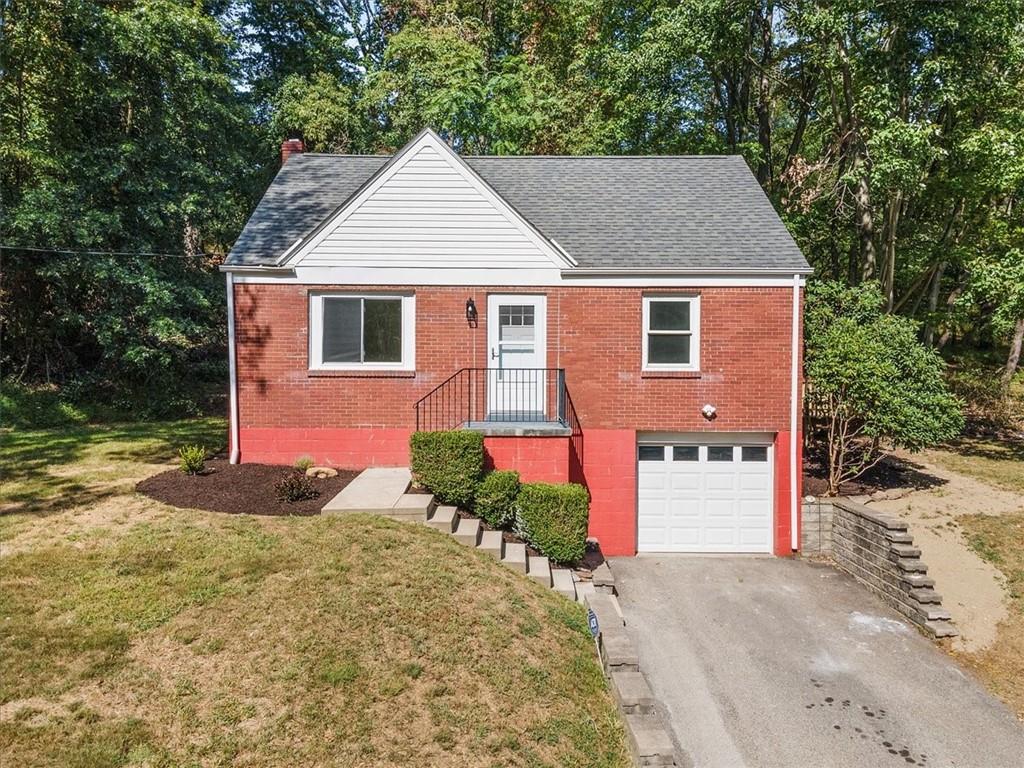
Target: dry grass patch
{"type": "Point", "coordinates": [997, 462]}
{"type": "Point", "coordinates": [1000, 540]}
{"type": "Point", "coordinates": [134, 634]}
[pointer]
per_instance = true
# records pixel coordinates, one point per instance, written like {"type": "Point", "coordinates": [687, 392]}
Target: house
{"type": "Point", "coordinates": [630, 323]}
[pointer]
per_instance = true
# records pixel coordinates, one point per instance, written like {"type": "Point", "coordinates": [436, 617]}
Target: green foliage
{"type": "Point", "coordinates": [449, 464]}
{"type": "Point", "coordinates": [872, 380]}
{"type": "Point", "coordinates": [192, 459]}
{"type": "Point", "coordinates": [553, 519]}
{"type": "Point", "coordinates": [496, 497]}
{"type": "Point", "coordinates": [39, 407]}
{"type": "Point", "coordinates": [293, 488]}
{"type": "Point", "coordinates": [303, 463]}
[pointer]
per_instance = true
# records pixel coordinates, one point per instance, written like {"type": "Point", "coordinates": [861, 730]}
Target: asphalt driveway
{"type": "Point", "coordinates": [769, 662]}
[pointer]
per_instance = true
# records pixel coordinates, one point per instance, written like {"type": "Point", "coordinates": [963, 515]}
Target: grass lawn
{"type": "Point", "coordinates": [1000, 540]}
{"type": "Point", "coordinates": [138, 634]}
{"type": "Point", "coordinates": [997, 462]}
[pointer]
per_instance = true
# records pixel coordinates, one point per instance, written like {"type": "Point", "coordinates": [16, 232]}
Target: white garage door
{"type": "Point", "coordinates": [704, 497]}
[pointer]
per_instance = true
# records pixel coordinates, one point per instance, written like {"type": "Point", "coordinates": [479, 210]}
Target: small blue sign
{"type": "Point", "coordinates": [592, 621]}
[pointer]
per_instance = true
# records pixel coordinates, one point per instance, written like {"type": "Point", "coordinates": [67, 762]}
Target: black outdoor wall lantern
{"type": "Point", "coordinates": [471, 313]}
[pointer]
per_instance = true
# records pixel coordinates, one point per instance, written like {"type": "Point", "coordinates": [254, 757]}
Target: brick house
{"type": "Point", "coordinates": [630, 323]}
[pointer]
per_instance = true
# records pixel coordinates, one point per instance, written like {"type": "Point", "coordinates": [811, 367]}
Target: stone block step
{"type": "Point", "coordinates": [632, 692]}
{"type": "Point", "coordinates": [492, 543]}
{"type": "Point", "coordinates": [444, 519]}
{"type": "Point", "coordinates": [617, 650]}
{"type": "Point", "coordinates": [563, 583]}
{"type": "Point", "coordinates": [584, 589]}
{"type": "Point", "coordinates": [649, 740]}
{"type": "Point", "coordinates": [936, 613]}
{"type": "Point", "coordinates": [539, 569]}
{"type": "Point", "coordinates": [899, 537]}
{"type": "Point", "coordinates": [605, 609]}
{"type": "Point", "coordinates": [468, 531]}
{"type": "Point", "coordinates": [603, 579]}
{"type": "Point", "coordinates": [515, 557]}
{"type": "Point", "coordinates": [911, 565]}
{"type": "Point", "coordinates": [413, 506]}
{"type": "Point", "coordinates": [925, 595]}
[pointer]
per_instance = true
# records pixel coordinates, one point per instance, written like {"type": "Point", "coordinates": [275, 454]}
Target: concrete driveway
{"type": "Point", "coordinates": [768, 662]}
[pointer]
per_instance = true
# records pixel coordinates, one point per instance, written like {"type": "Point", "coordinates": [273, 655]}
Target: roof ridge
{"type": "Point", "coordinates": [378, 156]}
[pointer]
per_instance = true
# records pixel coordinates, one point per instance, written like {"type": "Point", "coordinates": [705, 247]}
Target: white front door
{"type": "Point", "coordinates": [517, 384]}
{"type": "Point", "coordinates": [704, 495]}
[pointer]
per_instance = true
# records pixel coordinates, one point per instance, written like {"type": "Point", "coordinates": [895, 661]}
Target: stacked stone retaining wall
{"type": "Point", "coordinates": [877, 550]}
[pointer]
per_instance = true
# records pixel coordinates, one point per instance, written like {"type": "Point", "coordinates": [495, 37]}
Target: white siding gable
{"type": "Point", "coordinates": [428, 209]}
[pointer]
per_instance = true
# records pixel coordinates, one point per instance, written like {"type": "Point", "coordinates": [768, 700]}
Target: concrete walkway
{"type": "Point", "coordinates": [375, 491]}
{"type": "Point", "coordinates": [767, 662]}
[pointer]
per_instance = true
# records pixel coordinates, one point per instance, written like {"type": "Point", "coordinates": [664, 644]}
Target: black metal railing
{"type": "Point", "coordinates": [480, 397]}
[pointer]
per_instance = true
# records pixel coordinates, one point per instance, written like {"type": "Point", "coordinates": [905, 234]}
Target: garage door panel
{"type": "Point", "coordinates": [705, 506]}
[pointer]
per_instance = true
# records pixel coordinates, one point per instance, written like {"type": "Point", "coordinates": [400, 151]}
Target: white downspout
{"type": "Point", "coordinates": [232, 370]}
{"type": "Point", "coordinates": [794, 502]}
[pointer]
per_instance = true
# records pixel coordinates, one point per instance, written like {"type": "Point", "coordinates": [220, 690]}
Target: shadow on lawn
{"type": "Point", "coordinates": [38, 469]}
{"type": "Point", "coordinates": [995, 450]}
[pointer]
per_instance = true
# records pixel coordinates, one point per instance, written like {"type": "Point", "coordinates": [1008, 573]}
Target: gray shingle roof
{"type": "Point", "coordinates": [690, 213]}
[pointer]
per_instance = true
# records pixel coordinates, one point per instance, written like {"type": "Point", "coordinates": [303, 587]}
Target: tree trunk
{"type": "Point", "coordinates": [933, 303]}
{"type": "Point", "coordinates": [892, 220]}
{"type": "Point", "coordinates": [865, 227]}
{"type": "Point", "coordinates": [1013, 358]}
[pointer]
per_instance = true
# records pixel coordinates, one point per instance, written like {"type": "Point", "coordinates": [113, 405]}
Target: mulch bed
{"type": "Point", "coordinates": [889, 473]}
{"type": "Point", "coordinates": [238, 489]}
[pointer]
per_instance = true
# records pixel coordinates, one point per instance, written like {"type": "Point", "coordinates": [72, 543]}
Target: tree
{"type": "Point", "coordinates": [870, 380]}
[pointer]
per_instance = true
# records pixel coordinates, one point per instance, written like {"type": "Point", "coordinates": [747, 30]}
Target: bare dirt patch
{"type": "Point", "coordinates": [238, 489]}
{"type": "Point", "coordinates": [973, 589]}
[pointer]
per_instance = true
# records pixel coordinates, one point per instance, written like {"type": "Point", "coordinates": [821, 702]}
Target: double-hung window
{"type": "Point", "coordinates": [361, 332]}
{"type": "Point", "coordinates": [671, 333]}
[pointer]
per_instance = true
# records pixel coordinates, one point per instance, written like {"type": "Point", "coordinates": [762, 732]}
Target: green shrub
{"type": "Point", "coordinates": [37, 407]}
{"type": "Point", "coordinates": [193, 459]}
{"type": "Point", "coordinates": [496, 497]}
{"type": "Point", "coordinates": [295, 488]}
{"type": "Point", "coordinates": [303, 463]}
{"type": "Point", "coordinates": [553, 519]}
{"type": "Point", "coordinates": [449, 464]}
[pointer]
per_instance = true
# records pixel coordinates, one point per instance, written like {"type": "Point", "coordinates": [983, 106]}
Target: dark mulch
{"type": "Point", "coordinates": [890, 472]}
{"type": "Point", "coordinates": [239, 489]}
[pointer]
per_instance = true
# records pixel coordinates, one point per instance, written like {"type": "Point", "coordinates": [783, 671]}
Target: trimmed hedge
{"type": "Point", "coordinates": [496, 498]}
{"type": "Point", "coordinates": [449, 464]}
{"type": "Point", "coordinates": [553, 519]}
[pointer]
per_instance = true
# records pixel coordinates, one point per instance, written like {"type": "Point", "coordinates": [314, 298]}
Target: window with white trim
{"type": "Point", "coordinates": [361, 331]}
{"type": "Point", "coordinates": [671, 333]}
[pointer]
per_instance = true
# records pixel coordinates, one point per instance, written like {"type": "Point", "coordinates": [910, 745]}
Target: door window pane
{"type": "Point", "coordinates": [668, 350]}
{"type": "Point", "coordinates": [670, 315]}
{"type": "Point", "coordinates": [685, 453]}
{"type": "Point", "coordinates": [719, 453]}
{"type": "Point", "coordinates": [755, 453]}
{"type": "Point", "coordinates": [382, 331]}
{"type": "Point", "coordinates": [651, 453]}
{"type": "Point", "coordinates": [341, 330]}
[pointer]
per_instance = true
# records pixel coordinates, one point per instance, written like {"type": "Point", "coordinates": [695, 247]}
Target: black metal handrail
{"type": "Point", "coordinates": [479, 397]}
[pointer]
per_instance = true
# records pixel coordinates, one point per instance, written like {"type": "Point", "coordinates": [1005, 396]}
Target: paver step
{"type": "Point", "coordinates": [940, 629]}
{"type": "Point", "coordinates": [584, 589]}
{"type": "Point", "coordinates": [563, 583]}
{"type": "Point", "coordinates": [515, 557]}
{"type": "Point", "coordinates": [492, 543]}
{"type": "Point", "coordinates": [911, 565]}
{"type": "Point", "coordinates": [649, 740]}
{"type": "Point", "coordinates": [468, 531]}
{"type": "Point", "coordinates": [925, 595]}
{"type": "Point", "coordinates": [936, 613]}
{"type": "Point", "coordinates": [539, 569]}
{"type": "Point", "coordinates": [904, 550]}
{"type": "Point", "coordinates": [915, 580]}
{"type": "Point", "coordinates": [444, 519]}
{"type": "Point", "coordinates": [899, 537]}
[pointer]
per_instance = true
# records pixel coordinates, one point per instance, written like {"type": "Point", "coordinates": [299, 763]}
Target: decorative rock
{"type": "Point", "coordinates": [321, 472]}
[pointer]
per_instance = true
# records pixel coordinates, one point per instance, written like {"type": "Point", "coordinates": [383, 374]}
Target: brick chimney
{"type": "Point", "coordinates": [291, 147]}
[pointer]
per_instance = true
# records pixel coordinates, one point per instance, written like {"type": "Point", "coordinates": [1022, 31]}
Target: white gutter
{"type": "Point", "coordinates": [232, 369]}
{"type": "Point", "coordinates": [793, 417]}
{"type": "Point", "coordinates": [645, 271]}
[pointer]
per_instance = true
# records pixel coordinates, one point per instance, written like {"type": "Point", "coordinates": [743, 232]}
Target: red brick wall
{"type": "Point", "coordinates": [594, 333]}
{"type": "Point", "coordinates": [357, 419]}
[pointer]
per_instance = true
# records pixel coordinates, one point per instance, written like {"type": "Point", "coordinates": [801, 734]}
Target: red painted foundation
{"type": "Point", "coordinates": [536, 459]}
{"type": "Point", "coordinates": [343, 448]}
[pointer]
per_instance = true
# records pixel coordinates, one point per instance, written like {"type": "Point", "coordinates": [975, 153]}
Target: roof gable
{"type": "Point", "coordinates": [426, 208]}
